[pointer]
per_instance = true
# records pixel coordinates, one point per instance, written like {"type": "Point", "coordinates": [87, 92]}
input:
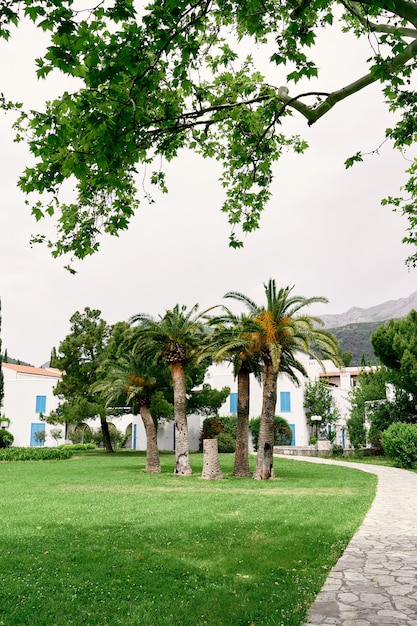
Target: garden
{"type": "Point", "coordinates": [95, 539]}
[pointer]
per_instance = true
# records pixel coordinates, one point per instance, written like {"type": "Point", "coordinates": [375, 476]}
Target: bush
{"type": "Point", "coordinates": [34, 454]}
{"type": "Point", "coordinates": [77, 446]}
{"type": "Point", "coordinates": [282, 431]}
{"type": "Point", "coordinates": [211, 430]}
{"type": "Point", "coordinates": [229, 425]}
{"type": "Point", "coordinates": [337, 450]}
{"type": "Point", "coordinates": [6, 438]}
{"type": "Point", "coordinates": [226, 442]}
{"type": "Point", "coordinates": [399, 442]}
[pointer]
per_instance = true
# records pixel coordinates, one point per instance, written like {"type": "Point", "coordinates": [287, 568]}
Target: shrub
{"type": "Point", "coordinates": [400, 443]}
{"type": "Point", "coordinates": [34, 454]}
{"type": "Point", "coordinates": [6, 438]}
{"type": "Point", "coordinates": [211, 429]}
{"type": "Point", "coordinates": [337, 450]}
{"type": "Point", "coordinates": [227, 443]}
{"type": "Point", "coordinates": [77, 446]}
{"type": "Point", "coordinates": [229, 425]}
{"type": "Point", "coordinates": [282, 431]}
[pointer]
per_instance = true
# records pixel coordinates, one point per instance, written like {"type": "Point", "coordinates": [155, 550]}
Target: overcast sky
{"type": "Point", "coordinates": [324, 230]}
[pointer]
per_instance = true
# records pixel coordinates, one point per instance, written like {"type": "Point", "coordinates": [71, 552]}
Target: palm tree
{"type": "Point", "coordinates": [174, 339]}
{"type": "Point", "coordinates": [283, 333]}
{"type": "Point", "coordinates": [126, 379]}
{"type": "Point", "coordinates": [233, 340]}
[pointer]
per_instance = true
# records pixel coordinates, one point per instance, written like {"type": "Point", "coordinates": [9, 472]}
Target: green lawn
{"type": "Point", "coordinates": [95, 540]}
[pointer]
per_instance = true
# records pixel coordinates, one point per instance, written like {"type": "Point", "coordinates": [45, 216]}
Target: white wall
{"type": "Point", "coordinates": [20, 391]}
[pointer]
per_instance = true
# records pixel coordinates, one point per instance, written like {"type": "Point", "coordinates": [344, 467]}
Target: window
{"type": "Point", "coordinates": [285, 401]}
{"type": "Point", "coordinates": [37, 434]}
{"type": "Point", "coordinates": [233, 403]}
{"type": "Point", "coordinates": [292, 426]}
{"type": "Point", "coordinates": [40, 404]}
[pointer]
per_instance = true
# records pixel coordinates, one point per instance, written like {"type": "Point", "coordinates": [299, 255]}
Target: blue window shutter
{"type": "Point", "coordinates": [233, 402]}
{"type": "Point", "coordinates": [292, 426]}
{"type": "Point", "coordinates": [36, 428]}
{"type": "Point", "coordinates": [40, 404]}
{"type": "Point", "coordinates": [134, 436]}
{"type": "Point", "coordinates": [285, 401]}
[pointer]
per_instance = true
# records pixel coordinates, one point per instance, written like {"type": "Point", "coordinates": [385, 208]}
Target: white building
{"type": "Point", "coordinates": [28, 392]}
{"type": "Point", "coordinates": [290, 398]}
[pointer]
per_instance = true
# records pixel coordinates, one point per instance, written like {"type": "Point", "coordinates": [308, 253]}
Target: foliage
{"type": "Point", "coordinates": [175, 75]}
{"type": "Point", "coordinates": [228, 424]}
{"type": "Point", "coordinates": [282, 431]}
{"type": "Point", "coordinates": [395, 344]}
{"type": "Point", "coordinates": [119, 519]}
{"type": "Point", "coordinates": [226, 443]}
{"type": "Point", "coordinates": [399, 442]}
{"type": "Point", "coordinates": [318, 400]}
{"type": "Point", "coordinates": [337, 450]}
{"type": "Point", "coordinates": [56, 434]}
{"type": "Point", "coordinates": [176, 340]}
{"type": "Point", "coordinates": [77, 447]}
{"type": "Point", "coordinates": [207, 401]}
{"type": "Point", "coordinates": [80, 434]}
{"type": "Point", "coordinates": [40, 437]}
{"type": "Point", "coordinates": [6, 438]}
{"type": "Point", "coordinates": [211, 428]}
{"type": "Point", "coordinates": [35, 454]}
{"type": "Point", "coordinates": [116, 437]}
{"type": "Point", "coordinates": [221, 428]}
{"type": "Point", "coordinates": [371, 387]}
{"type": "Point", "coordinates": [400, 408]}
{"type": "Point", "coordinates": [79, 356]}
{"type": "Point", "coordinates": [356, 339]}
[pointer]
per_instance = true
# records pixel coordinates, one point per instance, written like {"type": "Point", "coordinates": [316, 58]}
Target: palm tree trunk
{"type": "Point", "coordinates": [106, 434]}
{"type": "Point", "coordinates": [182, 458]}
{"type": "Point", "coordinates": [264, 468]}
{"type": "Point", "coordinates": [211, 463]}
{"type": "Point", "coordinates": [241, 466]}
{"type": "Point", "coordinates": [152, 453]}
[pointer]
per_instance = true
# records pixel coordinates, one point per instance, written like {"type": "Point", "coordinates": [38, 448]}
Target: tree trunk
{"type": "Point", "coordinates": [152, 453]}
{"type": "Point", "coordinates": [182, 458]}
{"type": "Point", "coordinates": [241, 467]}
{"type": "Point", "coordinates": [106, 435]}
{"type": "Point", "coordinates": [211, 464]}
{"type": "Point", "coordinates": [264, 468]}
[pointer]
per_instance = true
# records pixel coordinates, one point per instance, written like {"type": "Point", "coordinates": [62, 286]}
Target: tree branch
{"type": "Point", "coordinates": [379, 28]}
{"type": "Point", "coordinates": [313, 114]}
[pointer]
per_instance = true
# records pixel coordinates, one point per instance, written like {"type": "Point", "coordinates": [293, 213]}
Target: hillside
{"type": "Point", "coordinates": [380, 313]}
{"type": "Point", "coordinates": [356, 338]}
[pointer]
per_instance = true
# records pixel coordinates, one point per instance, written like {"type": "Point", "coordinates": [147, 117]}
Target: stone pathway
{"type": "Point", "coordinates": [375, 580]}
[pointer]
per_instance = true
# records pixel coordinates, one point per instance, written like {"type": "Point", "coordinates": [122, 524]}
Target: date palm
{"type": "Point", "coordinates": [175, 339]}
{"type": "Point", "coordinates": [126, 379]}
{"type": "Point", "coordinates": [232, 340]}
{"type": "Point", "coordinates": [283, 332]}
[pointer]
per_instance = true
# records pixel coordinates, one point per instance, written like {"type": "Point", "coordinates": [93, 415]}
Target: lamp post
{"type": "Point", "coordinates": [317, 420]}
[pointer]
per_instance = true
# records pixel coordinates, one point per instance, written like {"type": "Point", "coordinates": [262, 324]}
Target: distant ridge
{"type": "Point", "coordinates": [379, 313]}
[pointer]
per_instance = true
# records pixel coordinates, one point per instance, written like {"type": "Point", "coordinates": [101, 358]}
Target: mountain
{"type": "Point", "coordinates": [354, 328]}
{"type": "Point", "coordinates": [379, 313]}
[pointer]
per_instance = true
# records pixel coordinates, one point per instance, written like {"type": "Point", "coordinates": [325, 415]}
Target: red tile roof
{"type": "Point", "coordinates": [35, 371]}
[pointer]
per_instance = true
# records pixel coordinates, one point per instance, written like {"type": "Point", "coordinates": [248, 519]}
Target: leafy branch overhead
{"type": "Point", "coordinates": [153, 81]}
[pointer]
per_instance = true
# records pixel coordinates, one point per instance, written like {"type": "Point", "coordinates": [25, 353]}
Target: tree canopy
{"type": "Point", "coordinates": [219, 77]}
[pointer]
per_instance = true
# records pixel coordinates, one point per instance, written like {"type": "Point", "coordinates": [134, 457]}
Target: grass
{"type": "Point", "coordinates": [95, 540]}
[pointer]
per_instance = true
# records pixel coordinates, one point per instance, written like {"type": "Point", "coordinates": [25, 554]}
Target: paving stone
{"type": "Point", "coordinates": [374, 583]}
